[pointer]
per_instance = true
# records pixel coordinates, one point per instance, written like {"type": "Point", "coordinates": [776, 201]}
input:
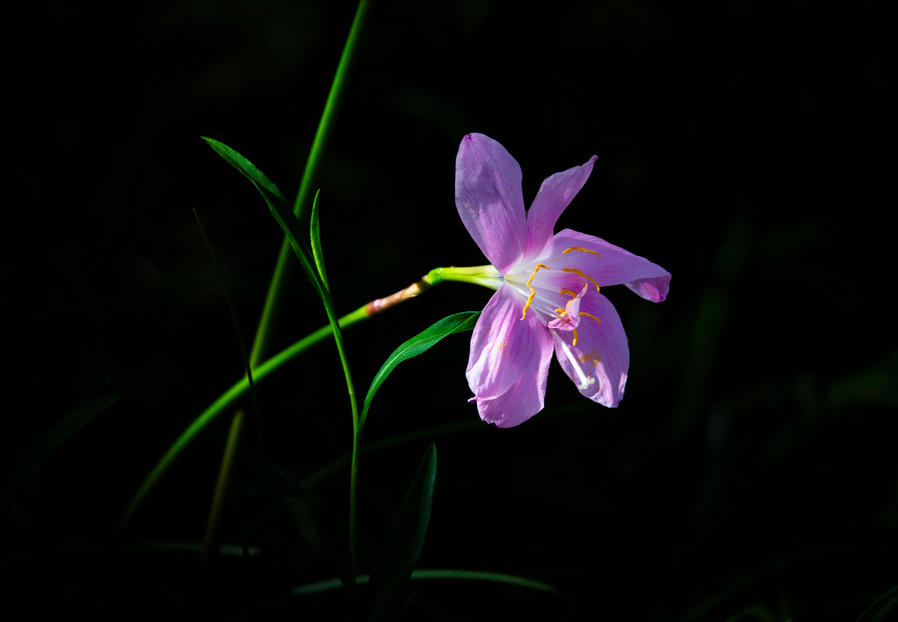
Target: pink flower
{"type": "Point", "coordinates": [547, 296]}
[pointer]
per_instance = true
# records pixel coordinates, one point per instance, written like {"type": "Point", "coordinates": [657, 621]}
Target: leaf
{"type": "Point", "coordinates": [404, 539]}
{"type": "Point", "coordinates": [419, 344]}
{"type": "Point", "coordinates": [40, 450]}
{"type": "Point", "coordinates": [329, 115]}
{"type": "Point", "coordinates": [315, 236]}
{"type": "Point", "coordinates": [246, 167]}
{"type": "Point", "coordinates": [324, 289]}
{"type": "Point", "coordinates": [290, 225]}
{"type": "Point", "coordinates": [276, 203]}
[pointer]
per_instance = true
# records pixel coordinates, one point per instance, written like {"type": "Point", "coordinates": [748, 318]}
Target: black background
{"type": "Point", "coordinates": [748, 149]}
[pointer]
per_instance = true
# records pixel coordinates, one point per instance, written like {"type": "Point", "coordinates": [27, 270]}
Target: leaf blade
{"type": "Point", "coordinates": [246, 167]}
{"type": "Point", "coordinates": [276, 203]}
{"type": "Point", "coordinates": [417, 345]}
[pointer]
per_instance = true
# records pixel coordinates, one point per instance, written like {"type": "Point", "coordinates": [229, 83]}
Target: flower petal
{"type": "Point", "coordinates": [503, 344]}
{"type": "Point", "coordinates": [554, 195]}
{"type": "Point", "coordinates": [598, 363]}
{"type": "Point", "coordinates": [523, 399]}
{"type": "Point", "coordinates": [615, 266]}
{"type": "Point", "coordinates": [509, 361]}
{"type": "Point", "coordinates": [489, 199]}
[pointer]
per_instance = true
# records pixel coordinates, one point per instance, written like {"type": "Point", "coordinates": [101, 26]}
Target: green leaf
{"type": "Point", "coordinates": [419, 344]}
{"type": "Point", "coordinates": [246, 167]}
{"type": "Point", "coordinates": [315, 236]}
{"type": "Point", "coordinates": [328, 301]}
{"type": "Point", "coordinates": [276, 203]}
{"type": "Point", "coordinates": [404, 539]}
{"type": "Point", "coordinates": [290, 225]}
{"type": "Point", "coordinates": [40, 450]}
{"type": "Point", "coordinates": [329, 115]}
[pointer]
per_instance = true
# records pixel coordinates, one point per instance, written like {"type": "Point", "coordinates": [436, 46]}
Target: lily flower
{"type": "Point", "coordinates": [547, 288]}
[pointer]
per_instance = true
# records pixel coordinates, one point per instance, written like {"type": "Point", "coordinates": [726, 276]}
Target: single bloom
{"type": "Point", "coordinates": [548, 288]}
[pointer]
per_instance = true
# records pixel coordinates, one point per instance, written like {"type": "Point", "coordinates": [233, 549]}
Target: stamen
{"type": "Point", "coordinates": [590, 315]}
{"type": "Point", "coordinates": [567, 291]}
{"type": "Point", "coordinates": [533, 274]}
{"type": "Point", "coordinates": [574, 342]}
{"type": "Point", "coordinates": [580, 248]}
{"type": "Point", "coordinates": [532, 291]}
{"type": "Point", "coordinates": [580, 273]}
{"type": "Point", "coordinates": [529, 300]}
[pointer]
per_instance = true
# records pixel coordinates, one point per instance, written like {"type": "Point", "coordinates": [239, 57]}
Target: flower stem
{"type": "Point", "coordinates": [284, 264]}
{"type": "Point", "coordinates": [486, 275]}
{"type": "Point", "coordinates": [238, 391]}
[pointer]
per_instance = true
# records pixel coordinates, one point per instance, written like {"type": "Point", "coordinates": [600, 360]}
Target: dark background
{"type": "Point", "coordinates": [749, 150]}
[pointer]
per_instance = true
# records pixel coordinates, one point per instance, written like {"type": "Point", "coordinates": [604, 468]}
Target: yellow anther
{"type": "Point", "coordinates": [580, 248]}
{"type": "Point", "coordinates": [574, 342]}
{"type": "Point", "coordinates": [567, 291]}
{"type": "Point", "coordinates": [578, 272]}
{"type": "Point", "coordinates": [527, 304]}
{"type": "Point", "coordinates": [560, 311]}
{"type": "Point", "coordinates": [533, 274]}
{"type": "Point", "coordinates": [532, 291]}
{"type": "Point", "coordinates": [590, 315]}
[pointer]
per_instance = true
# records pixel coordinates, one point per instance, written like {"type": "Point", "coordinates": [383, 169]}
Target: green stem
{"type": "Point", "coordinates": [229, 398]}
{"type": "Point", "coordinates": [284, 264]}
{"type": "Point", "coordinates": [353, 501]}
{"type": "Point", "coordinates": [240, 388]}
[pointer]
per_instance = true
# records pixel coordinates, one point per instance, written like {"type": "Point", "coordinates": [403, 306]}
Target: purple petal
{"type": "Point", "coordinates": [489, 199]}
{"type": "Point", "coordinates": [509, 361]}
{"type": "Point", "coordinates": [523, 399]}
{"type": "Point", "coordinates": [598, 363]}
{"type": "Point", "coordinates": [554, 195]}
{"type": "Point", "coordinates": [615, 266]}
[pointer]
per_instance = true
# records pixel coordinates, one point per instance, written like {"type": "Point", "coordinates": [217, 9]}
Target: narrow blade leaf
{"type": "Point", "coordinates": [404, 540]}
{"type": "Point", "coordinates": [317, 251]}
{"type": "Point", "coordinates": [419, 344]}
{"type": "Point", "coordinates": [276, 203]}
{"type": "Point", "coordinates": [246, 167]}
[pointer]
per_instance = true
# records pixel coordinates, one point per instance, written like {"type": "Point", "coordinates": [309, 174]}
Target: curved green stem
{"type": "Point", "coordinates": [229, 398]}
{"type": "Point", "coordinates": [240, 388]}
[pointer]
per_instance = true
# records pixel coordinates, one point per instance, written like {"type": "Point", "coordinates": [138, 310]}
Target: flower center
{"type": "Point", "coordinates": [554, 294]}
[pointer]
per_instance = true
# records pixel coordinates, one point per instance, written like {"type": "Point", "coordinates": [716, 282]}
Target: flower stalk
{"type": "Point", "coordinates": [238, 391]}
